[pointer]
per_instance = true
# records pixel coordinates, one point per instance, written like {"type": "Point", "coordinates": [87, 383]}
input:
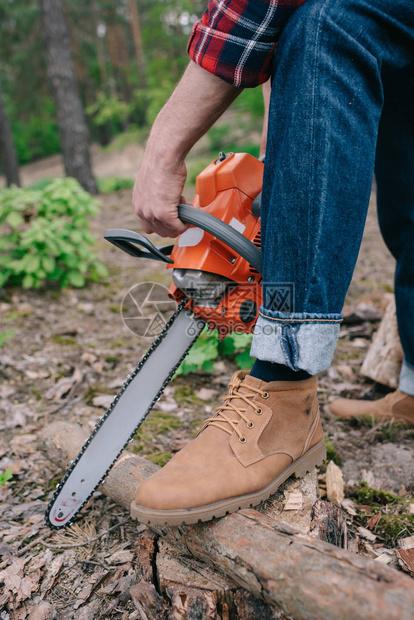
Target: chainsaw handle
{"type": "Point", "coordinates": [127, 240]}
{"type": "Point", "coordinates": [224, 232]}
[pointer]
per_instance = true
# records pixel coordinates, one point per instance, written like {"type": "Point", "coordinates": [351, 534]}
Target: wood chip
{"type": "Point", "coordinates": [349, 506]}
{"type": "Point", "coordinates": [411, 509]}
{"type": "Point", "coordinates": [372, 521]}
{"type": "Point", "coordinates": [294, 501]}
{"type": "Point", "coordinates": [384, 558]}
{"type": "Point", "coordinates": [103, 400]}
{"type": "Point", "coordinates": [334, 484]}
{"type": "Point", "coordinates": [366, 534]}
{"type": "Point", "coordinates": [406, 543]}
{"type": "Point", "coordinates": [406, 559]}
{"type": "Point", "coordinates": [206, 394]}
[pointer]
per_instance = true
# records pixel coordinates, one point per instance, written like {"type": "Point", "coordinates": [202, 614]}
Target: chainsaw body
{"type": "Point", "coordinates": [220, 285]}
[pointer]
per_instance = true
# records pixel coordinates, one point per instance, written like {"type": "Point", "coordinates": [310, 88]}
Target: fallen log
{"type": "Point", "coordinates": [385, 355]}
{"type": "Point", "coordinates": [173, 584]}
{"type": "Point", "coordinates": [308, 578]}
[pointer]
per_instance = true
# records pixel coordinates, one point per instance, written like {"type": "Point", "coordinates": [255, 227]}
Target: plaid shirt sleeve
{"type": "Point", "coordinates": [236, 39]}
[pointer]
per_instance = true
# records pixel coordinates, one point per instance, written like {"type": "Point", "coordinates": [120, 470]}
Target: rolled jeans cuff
{"type": "Point", "coordinates": [302, 341]}
{"type": "Point", "coordinates": [407, 379]}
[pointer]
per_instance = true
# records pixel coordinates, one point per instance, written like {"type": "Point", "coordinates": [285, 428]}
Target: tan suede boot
{"type": "Point", "coordinates": [261, 435]}
{"type": "Point", "coordinates": [396, 406]}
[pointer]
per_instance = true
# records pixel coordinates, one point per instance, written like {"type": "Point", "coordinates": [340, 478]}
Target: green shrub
{"type": "Point", "coordinates": [44, 236]}
{"type": "Point", "coordinates": [251, 100]}
{"type": "Point", "coordinates": [37, 137]}
{"type": "Point", "coordinates": [107, 185]}
{"type": "Point", "coordinates": [219, 137]}
{"type": "Point", "coordinates": [108, 109]}
{"type": "Point", "coordinates": [245, 147]}
{"type": "Point", "coordinates": [40, 184]}
{"type": "Point", "coordinates": [209, 347]}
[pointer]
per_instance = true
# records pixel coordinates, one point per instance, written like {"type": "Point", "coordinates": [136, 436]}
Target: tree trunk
{"type": "Point", "coordinates": [136, 33]}
{"type": "Point", "coordinates": [7, 148]}
{"type": "Point", "coordinates": [308, 578]}
{"type": "Point", "coordinates": [385, 355]}
{"type": "Point", "coordinates": [74, 134]}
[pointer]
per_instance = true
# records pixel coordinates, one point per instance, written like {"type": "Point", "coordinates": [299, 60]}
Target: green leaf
{"type": "Point", "coordinates": [28, 281]}
{"type": "Point", "coordinates": [6, 476]}
{"type": "Point", "coordinates": [48, 264]}
{"type": "Point", "coordinates": [100, 270]}
{"type": "Point", "coordinates": [227, 346]}
{"type": "Point", "coordinates": [244, 361]}
{"type": "Point", "coordinates": [76, 279]}
{"type": "Point", "coordinates": [33, 263]}
{"type": "Point", "coordinates": [14, 219]}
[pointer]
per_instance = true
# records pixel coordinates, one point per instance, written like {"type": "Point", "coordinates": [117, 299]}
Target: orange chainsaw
{"type": "Point", "coordinates": [216, 281]}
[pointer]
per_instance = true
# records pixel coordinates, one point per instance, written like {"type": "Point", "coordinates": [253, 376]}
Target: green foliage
{"type": "Point", "coordinates": [147, 436]}
{"type": "Point", "coordinates": [107, 185]}
{"type": "Point", "coordinates": [196, 165]}
{"type": "Point", "coordinates": [364, 494]}
{"type": "Point", "coordinates": [251, 100]}
{"type": "Point", "coordinates": [159, 458]}
{"type": "Point", "coordinates": [6, 476]}
{"type": "Point", "coordinates": [108, 109]}
{"type": "Point", "coordinates": [38, 136]}
{"type": "Point", "coordinates": [44, 236]}
{"type": "Point", "coordinates": [332, 453]}
{"type": "Point", "coordinates": [5, 336]}
{"type": "Point", "coordinates": [133, 135]}
{"type": "Point", "coordinates": [219, 136]}
{"type": "Point", "coordinates": [209, 347]}
{"type": "Point", "coordinates": [245, 147]}
{"type": "Point", "coordinates": [40, 184]}
{"type": "Point", "coordinates": [395, 521]}
{"type": "Point", "coordinates": [114, 92]}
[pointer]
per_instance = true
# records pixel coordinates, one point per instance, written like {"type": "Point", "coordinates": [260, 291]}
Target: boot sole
{"type": "Point", "coordinates": [299, 468]}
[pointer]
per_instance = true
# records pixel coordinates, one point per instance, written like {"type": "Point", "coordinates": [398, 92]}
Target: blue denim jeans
{"type": "Point", "coordinates": [342, 84]}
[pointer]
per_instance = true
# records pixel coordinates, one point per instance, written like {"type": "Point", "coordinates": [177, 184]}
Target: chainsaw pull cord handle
{"type": "Point", "coordinates": [222, 231]}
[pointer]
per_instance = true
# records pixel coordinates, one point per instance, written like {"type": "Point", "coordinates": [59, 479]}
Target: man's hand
{"type": "Point", "coordinates": [197, 102]}
{"type": "Point", "coordinates": [157, 192]}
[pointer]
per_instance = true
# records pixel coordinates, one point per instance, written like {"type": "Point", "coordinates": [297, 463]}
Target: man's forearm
{"type": "Point", "coordinates": [196, 103]}
{"type": "Point", "coordinates": [199, 99]}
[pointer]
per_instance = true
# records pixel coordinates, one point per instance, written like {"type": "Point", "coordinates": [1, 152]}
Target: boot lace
{"type": "Point", "coordinates": [225, 413]}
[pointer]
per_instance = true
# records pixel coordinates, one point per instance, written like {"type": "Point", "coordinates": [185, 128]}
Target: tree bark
{"type": "Point", "coordinates": [385, 355]}
{"type": "Point", "coordinates": [308, 578]}
{"type": "Point", "coordinates": [137, 36]}
{"type": "Point", "coordinates": [74, 134]}
{"type": "Point", "coordinates": [7, 148]}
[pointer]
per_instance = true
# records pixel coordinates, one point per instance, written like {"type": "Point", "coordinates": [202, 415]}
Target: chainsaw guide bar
{"type": "Point", "coordinates": [71, 495]}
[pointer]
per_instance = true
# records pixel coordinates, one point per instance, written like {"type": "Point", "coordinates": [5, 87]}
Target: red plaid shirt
{"type": "Point", "coordinates": [236, 39]}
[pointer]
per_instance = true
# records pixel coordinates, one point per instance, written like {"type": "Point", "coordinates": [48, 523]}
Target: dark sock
{"type": "Point", "coordinates": [268, 371]}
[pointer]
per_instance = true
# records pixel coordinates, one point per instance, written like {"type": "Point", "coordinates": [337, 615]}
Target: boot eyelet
{"type": "Point", "coordinates": [265, 395]}
{"type": "Point", "coordinates": [242, 440]}
{"type": "Point", "coordinates": [250, 425]}
{"type": "Point", "coordinates": [259, 411]}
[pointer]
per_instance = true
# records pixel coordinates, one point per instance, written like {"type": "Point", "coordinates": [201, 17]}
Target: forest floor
{"type": "Point", "coordinates": [70, 354]}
